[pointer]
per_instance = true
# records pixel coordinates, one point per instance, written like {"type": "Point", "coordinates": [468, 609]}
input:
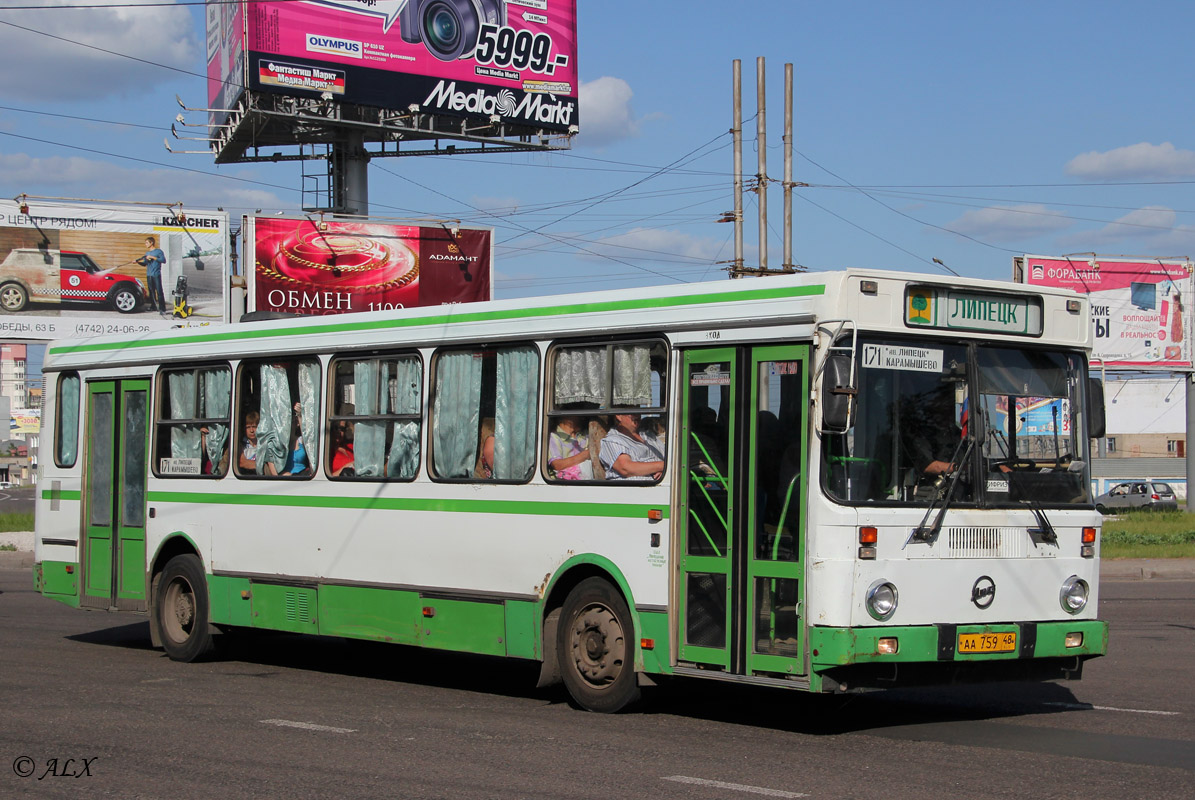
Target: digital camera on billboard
{"type": "Point", "coordinates": [449, 28]}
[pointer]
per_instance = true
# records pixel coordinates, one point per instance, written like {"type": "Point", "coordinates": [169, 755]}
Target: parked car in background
{"type": "Point", "coordinates": [1153, 495]}
{"type": "Point", "coordinates": [52, 276]}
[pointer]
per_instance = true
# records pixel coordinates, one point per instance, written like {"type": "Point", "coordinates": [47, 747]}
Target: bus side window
{"type": "Point", "coordinates": [471, 387]}
{"type": "Point", "coordinates": [376, 423]}
{"type": "Point", "coordinates": [193, 422]}
{"type": "Point", "coordinates": [591, 386]}
{"type": "Point", "coordinates": [285, 397]}
{"type": "Point", "coordinates": [66, 421]}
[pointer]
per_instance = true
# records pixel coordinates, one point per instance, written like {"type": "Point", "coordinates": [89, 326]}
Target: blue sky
{"type": "Point", "coordinates": [927, 130]}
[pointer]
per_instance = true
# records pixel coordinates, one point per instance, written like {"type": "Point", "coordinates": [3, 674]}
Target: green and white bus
{"type": "Point", "coordinates": [861, 479]}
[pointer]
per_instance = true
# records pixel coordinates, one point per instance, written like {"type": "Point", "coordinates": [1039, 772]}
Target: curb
{"type": "Point", "coordinates": [1145, 569]}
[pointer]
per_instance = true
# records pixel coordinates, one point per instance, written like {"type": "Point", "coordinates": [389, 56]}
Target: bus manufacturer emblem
{"type": "Point", "coordinates": [983, 593]}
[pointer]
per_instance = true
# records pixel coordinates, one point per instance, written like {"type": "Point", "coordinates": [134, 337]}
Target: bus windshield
{"type": "Point", "coordinates": [1005, 422]}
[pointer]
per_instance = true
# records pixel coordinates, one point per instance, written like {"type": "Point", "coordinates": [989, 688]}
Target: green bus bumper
{"type": "Point", "coordinates": [844, 659]}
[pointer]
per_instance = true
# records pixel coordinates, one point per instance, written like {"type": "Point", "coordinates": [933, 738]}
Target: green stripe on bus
{"type": "Point", "coordinates": [525, 507]}
{"type": "Point", "coordinates": [464, 316]}
{"type": "Point", "coordinates": [61, 494]}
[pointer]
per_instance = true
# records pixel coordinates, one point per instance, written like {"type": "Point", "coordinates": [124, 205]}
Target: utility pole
{"type": "Point", "coordinates": [737, 268]}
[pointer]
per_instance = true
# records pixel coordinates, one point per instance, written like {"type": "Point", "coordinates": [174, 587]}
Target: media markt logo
{"type": "Point", "coordinates": [543, 108]}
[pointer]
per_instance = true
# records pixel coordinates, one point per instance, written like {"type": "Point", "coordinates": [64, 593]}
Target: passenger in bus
{"type": "Point", "coordinates": [629, 454]}
{"type": "Point", "coordinates": [931, 434]}
{"type": "Point", "coordinates": [342, 450]}
{"type": "Point", "coordinates": [485, 450]}
{"type": "Point", "coordinates": [487, 457]}
{"type": "Point", "coordinates": [568, 451]}
{"type": "Point", "coordinates": [247, 458]}
{"type": "Point", "coordinates": [297, 462]}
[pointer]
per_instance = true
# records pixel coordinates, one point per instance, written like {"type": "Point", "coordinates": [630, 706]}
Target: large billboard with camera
{"type": "Point", "coordinates": [315, 267]}
{"type": "Point", "coordinates": [82, 270]}
{"type": "Point", "coordinates": [510, 61]}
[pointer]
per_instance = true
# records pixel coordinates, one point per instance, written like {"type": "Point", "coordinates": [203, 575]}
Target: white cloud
{"type": "Point", "coordinates": [1010, 223]}
{"type": "Point", "coordinates": [44, 68]}
{"type": "Point", "coordinates": [1143, 161]}
{"type": "Point", "coordinates": [1151, 229]}
{"type": "Point", "coordinates": [606, 115]}
{"type": "Point", "coordinates": [660, 245]}
{"type": "Point", "coordinates": [83, 177]}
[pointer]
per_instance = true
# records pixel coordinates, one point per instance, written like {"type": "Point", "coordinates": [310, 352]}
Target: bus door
{"type": "Point", "coordinates": [113, 558]}
{"type": "Point", "coordinates": [741, 517]}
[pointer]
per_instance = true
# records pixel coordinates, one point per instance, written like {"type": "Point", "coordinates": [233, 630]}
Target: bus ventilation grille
{"type": "Point", "coordinates": [984, 543]}
{"type": "Point", "coordinates": [297, 608]}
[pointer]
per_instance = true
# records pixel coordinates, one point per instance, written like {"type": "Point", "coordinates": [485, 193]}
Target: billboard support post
{"type": "Point", "coordinates": [1190, 430]}
{"type": "Point", "coordinates": [350, 175]}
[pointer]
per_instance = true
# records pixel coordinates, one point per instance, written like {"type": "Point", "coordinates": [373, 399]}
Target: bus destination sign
{"type": "Point", "coordinates": [937, 307]}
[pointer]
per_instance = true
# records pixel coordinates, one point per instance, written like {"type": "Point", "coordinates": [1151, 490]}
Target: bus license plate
{"type": "Point", "coordinates": [1005, 642]}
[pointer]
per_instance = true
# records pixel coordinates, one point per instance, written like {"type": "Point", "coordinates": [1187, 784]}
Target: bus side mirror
{"type": "Point", "coordinates": [1096, 424]}
{"type": "Point", "coordinates": [838, 395]}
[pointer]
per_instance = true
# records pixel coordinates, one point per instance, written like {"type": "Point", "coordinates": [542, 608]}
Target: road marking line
{"type": "Point", "coordinates": [307, 726]}
{"type": "Point", "coordinates": [1089, 707]}
{"type": "Point", "coordinates": [738, 787]}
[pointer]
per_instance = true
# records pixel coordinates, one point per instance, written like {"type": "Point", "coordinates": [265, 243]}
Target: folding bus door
{"type": "Point", "coordinates": [113, 560]}
{"type": "Point", "coordinates": [741, 509]}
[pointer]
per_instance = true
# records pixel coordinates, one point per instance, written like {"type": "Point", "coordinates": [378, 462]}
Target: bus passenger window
{"type": "Point", "coordinates": [607, 414]}
{"type": "Point", "coordinates": [193, 422]}
{"type": "Point", "coordinates": [472, 390]}
{"type": "Point", "coordinates": [376, 423]}
{"type": "Point", "coordinates": [283, 399]}
{"type": "Point", "coordinates": [66, 423]}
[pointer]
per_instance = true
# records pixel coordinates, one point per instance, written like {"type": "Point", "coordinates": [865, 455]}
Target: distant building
{"type": "Point", "coordinates": [20, 415]}
{"type": "Point", "coordinates": [1147, 417]}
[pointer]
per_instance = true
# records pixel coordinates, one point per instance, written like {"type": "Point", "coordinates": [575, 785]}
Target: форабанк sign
{"type": "Point", "coordinates": [513, 59]}
{"type": "Point", "coordinates": [1140, 309]}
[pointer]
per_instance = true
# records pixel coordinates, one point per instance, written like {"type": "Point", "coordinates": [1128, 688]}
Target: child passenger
{"type": "Point", "coordinates": [568, 451]}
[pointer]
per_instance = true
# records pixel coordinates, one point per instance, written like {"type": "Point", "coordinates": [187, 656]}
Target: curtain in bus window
{"type": "Point", "coordinates": [403, 458]}
{"type": "Point", "coordinates": [580, 376]}
{"type": "Point", "coordinates": [273, 429]}
{"type": "Point", "coordinates": [514, 413]}
{"type": "Point", "coordinates": [369, 436]}
{"type": "Point", "coordinates": [68, 420]}
{"type": "Point", "coordinates": [632, 375]}
{"type": "Point", "coordinates": [217, 397]}
{"type": "Point", "coordinates": [184, 439]}
{"type": "Point", "coordinates": [457, 413]}
{"type": "Point", "coordinates": [309, 407]}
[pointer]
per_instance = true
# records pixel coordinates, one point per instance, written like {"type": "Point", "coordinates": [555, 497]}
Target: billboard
{"type": "Point", "coordinates": [308, 266]}
{"type": "Point", "coordinates": [508, 60]}
{"type": "Point", "coordinates": [81, 270]}
{"type": "Point", "coordinates": [225, 25]}
{"type": "Point", "coordinates": [1140, 308]}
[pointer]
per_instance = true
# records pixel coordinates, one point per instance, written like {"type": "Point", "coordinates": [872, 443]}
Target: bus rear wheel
{"type": "Point", "coordinates": [595, 641]}
{"type": "Point", "coordinates": [182, 609]}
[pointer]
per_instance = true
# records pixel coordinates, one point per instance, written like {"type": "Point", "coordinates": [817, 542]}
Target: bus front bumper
{"type": "Point", "coordinates": [846, 659]}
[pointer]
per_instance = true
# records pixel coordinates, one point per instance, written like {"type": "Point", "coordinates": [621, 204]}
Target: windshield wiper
{"type": "Point", "coordinates": [943, 490]}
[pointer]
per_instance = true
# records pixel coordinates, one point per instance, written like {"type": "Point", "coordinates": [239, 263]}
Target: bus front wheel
{"type": "Point", "coordinates": [182, 609]}
{"type": "Point", "coordinates": [595, 641]}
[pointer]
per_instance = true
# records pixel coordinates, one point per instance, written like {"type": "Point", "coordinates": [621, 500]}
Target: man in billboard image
{"type": "Point", "coordinates": [153, 260]}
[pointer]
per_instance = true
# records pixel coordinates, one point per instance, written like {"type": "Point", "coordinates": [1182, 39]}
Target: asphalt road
{"type": "Point", "coordinates": [87, 709]}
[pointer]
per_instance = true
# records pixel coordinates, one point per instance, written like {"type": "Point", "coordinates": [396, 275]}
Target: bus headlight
{"type": "Point", "coordinates": [1074, 594]}
{"type": "Point", "coordinates": [881, 600]}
